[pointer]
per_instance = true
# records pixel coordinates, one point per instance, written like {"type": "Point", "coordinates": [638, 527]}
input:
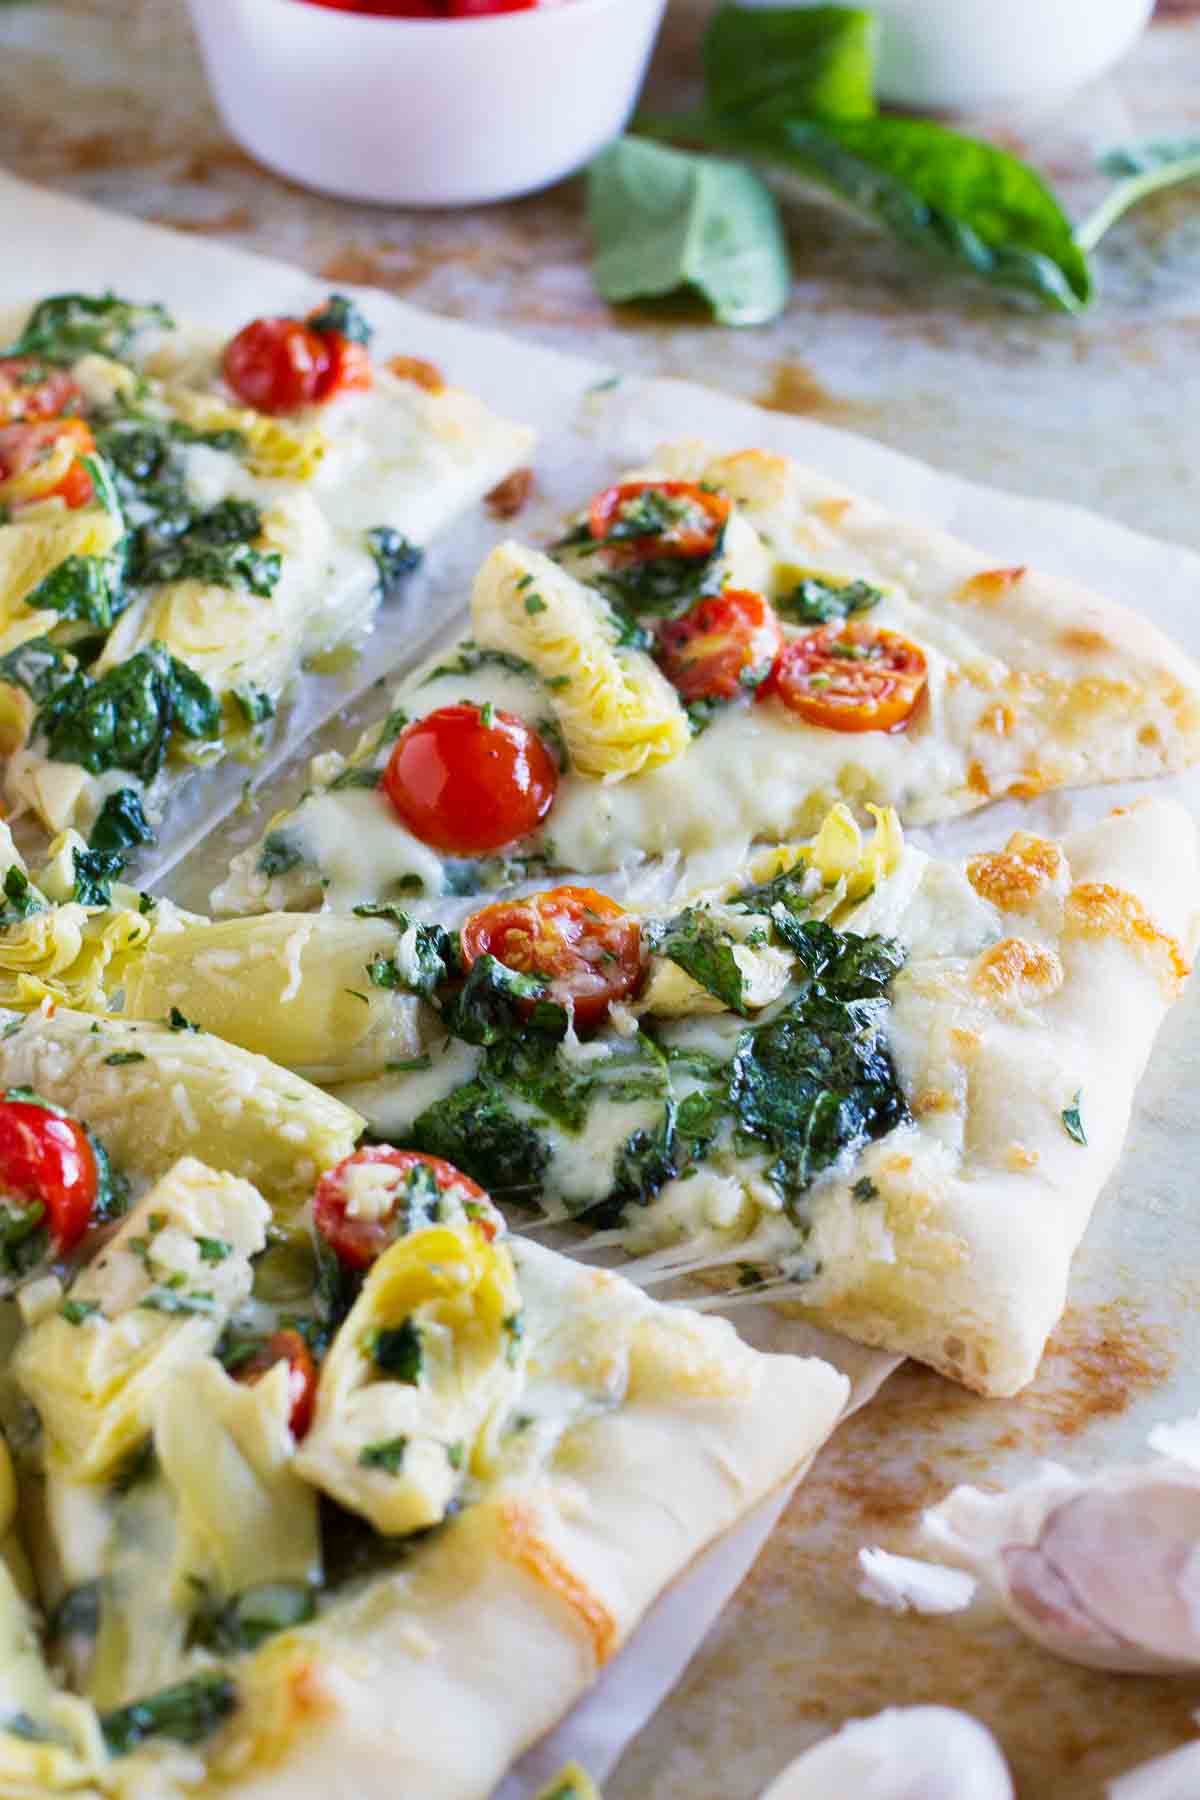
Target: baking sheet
{"type": "Point", "coordinates": [1144, 1245]}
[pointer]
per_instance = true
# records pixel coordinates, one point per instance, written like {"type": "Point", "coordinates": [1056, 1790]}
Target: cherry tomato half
{"type": "Point", "coordinates": [851, 677]}
{"type": "Point", "coordinates": [276, 365]}
{"type": "Point", "coordinates": [47, 1158]}
{"type": "Point", "coordinates": [23, 447]}
{"type": "Point", "coordinates": [587, 947]}
{"type": "Point", "coordinates": [349, 366]}
{"type": "Point", "coordinates": [468, 780]}
{"type": "Point", "coordinates": [721, 646]}
{"type": "Point", "coordinates": [643, 520]}
{"type": "Point", "coordinates": [289, 1347]}
{"type": "Point", "coordinates": [359, 1238]}
{"type": "Point", "coordinates": [32, 389]}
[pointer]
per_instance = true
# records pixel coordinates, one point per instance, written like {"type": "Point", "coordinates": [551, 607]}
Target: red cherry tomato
{"type": "Point", "coordinates": [48, 1159]}
{"type": "Point", "coordinates": [277, 365]}
{"type": "Point", "coordinates": [643, 520]}
{"type": "Point", "coordinates": [289, 1347]}
{"type": "Point", "coordinates": [358, 1241]}
{"type": "Point", "coordinates": [849, 677]}
{"type": "Point", "coordinates": [721, 646]}
{"type": "Point", "coordinates": [587, 947]}
{"type": "Point", "coordinates": [31, 389]}
{"type": "Point", "coordinates": [349, 366]}
{"type": "Point", "coordinates": [23, 447]}
{"type": "Point", "coordinates": [468, 781]}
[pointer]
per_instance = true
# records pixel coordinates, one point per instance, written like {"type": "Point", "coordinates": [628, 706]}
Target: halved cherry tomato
{"type": "Point", "coordinates": [587, 947]}
{"type": "Point", "coordinates": [643, 520]}
{"type": "Point", "coordinates": [22, 447]}
{"type": "Point", "coordinates": [32, 389]}
{"type": "Point", "coordinates": [48, 1159]}
{"type": "Point", "coordinates": [357, 1239]}
{"type": "Point", "coordinates": [289, 1347]}
{"type": "Point", "coordinates": [469, 779]}
{"type": "Point", "coordinates": [851, 677]}
{"type": "Point", "coordinates": [276, 365]}
{"type": "Point", "coordinates": [721, 646]}
{"type": "Point", "coordinates": [349, 366]}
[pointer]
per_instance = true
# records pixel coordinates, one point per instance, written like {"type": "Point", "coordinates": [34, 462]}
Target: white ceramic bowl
{"type": "Point", "coordinates": [973, 55]}
{"type": "Point", "coordinates": [425, 112]}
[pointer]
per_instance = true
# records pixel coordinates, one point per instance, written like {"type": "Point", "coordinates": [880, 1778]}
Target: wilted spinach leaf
{"type": "Point", "coordinates": [394, 556]}
{"type": "Point", "coordinates": [815, 600]}
{"type": "Point", "coordinates": [126, 719]}
{"type": "Point", "coordinates": [121, 824]}
{"type": "Point", "coordinates": [67, 326]}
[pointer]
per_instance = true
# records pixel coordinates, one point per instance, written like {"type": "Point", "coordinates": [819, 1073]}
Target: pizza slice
{"type": "Point", "coordinates": [364, 1507]}
{"type": "Point", "coordinates": [875, 1081]}
{"type": "Point", "coordinates": [716, 652]}
{"type": "Point", "coordinates": [184, 523]}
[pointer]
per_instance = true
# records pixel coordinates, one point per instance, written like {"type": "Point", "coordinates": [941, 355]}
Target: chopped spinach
{"type": "Point", "coordinates": [784, 900]}
{"type": "Point", "coordinates": [126, 719]}
{"type": "Point", "coordinates": [702, 949]}
{"type": "Point", "coordinates": [121, 824]}
{"type": "Point", "coordinates": [67, 326]}
{"type": "Point", "coordinates": [189, 1711]}
{"type": "Point", "coordinates": [340, 314]}
{"type": "Point", "coordinates": [816, 600]}
{"type": "Point", "coordinates": [354, 777]}
{"type": "Point", "coordinates": [394, 557]}
{"type": "Point", "coordinates": [76, 1311]}
{"type": "Point", "coordinates": [138, 1466]}
{"type": "Point", "coordinates": [80, 587]}
{"type": "Point", "coordinates": [24, 1238]}
{"type": "Point", "coordinates": [1073, 1121]}
{"type": "Point", "coordinates": [397, 1353]}
{"type": "Point", "coordinates": [431, 957]}
{"type": "Point", "coordinates": [95, 870]}
{"type": "Point", "coordinates": [77, 1614]}
{"type": "Point", "coordinates": [471, 658]}
{"type": "Point", "coordinates": [213, 546]}
{"type": "Point", "coordinates": [22, 897]}
{"type": "Point", "coordinates": [387, 1455]}
{"type": "Point", "coordinates": [280, 854]}
{"type": "Point", "coordinates": [39, 667]}
{"type": "Point", "coordinates": [255, 704]}
{"type": "Point", "coordinates": [475, 1129]}
{"type": "Point", "coordinates": [178, 1021]}
{"type": "Point", "coordinates": [252, 1616]}
{"type": "Point", "coordinates": [487, 1008]}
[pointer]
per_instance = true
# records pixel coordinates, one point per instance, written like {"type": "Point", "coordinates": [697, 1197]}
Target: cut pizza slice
{"type": "Point", "coordinates": [718, 651]}
{"type": "Point", "coordinates": [183, 533]}
{"type": "Point", "coordinates": [367, 1510]}
{"type": "Point", "coordinates": [883, 1079]}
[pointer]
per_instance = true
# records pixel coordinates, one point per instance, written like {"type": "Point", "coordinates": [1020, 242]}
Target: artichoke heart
{"type": "Point", "coordinates": [420, 1375]}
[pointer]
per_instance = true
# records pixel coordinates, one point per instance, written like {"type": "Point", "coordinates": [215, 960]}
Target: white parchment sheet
{"type": "Point", "coordinates": [1145, 1239]}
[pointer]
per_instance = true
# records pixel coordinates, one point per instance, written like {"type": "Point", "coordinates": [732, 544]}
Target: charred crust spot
{"type": "Point", "coordinates": [1013, 878]}
{"type": "Point", "coordinates": [522, 1543]}
{"type": "Point", "coordinates": [1097, 909]}
{"type": "Point", "coordinates": [991, 584]}
{"type": "Point", "coordinates": [1014, 970]}
{"type": "Point", "coordinates": [1085, 640]}
{"type": "Point", "coordinates": [426, 375]}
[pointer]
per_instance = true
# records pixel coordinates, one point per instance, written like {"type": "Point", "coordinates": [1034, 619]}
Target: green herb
{"type": "Point", "coordinates": [112, 1189]}
{"type": "Point", "coordinates": [1073, 1121]}
{"type": "Point", "coordinates": [76, 1311]}
{"type": "Point", "coordinates": [395, 558]}
{"type": "Point", "coordinates": [817, 601]}
{"type": "Point", "coordinates": [255, 703]}
{"type": "Point", "coordinates": [514, 1325]}
{"type": "Point", "coordinates": [392, 726]}
{"type": "Point", "coordinates": [24, 1239]}
{"type": "Point", "coordinates": [397, 1352]}
{"type": "Point", "coordinates": [864, 1189]}
{"type": "Point", "coordinates": [280, 854]}
{"type": "Point", "coordinates": [534, 604]}
{"type": "Point", "coordinates": [127, 718]}
{"type": "Point", "coordinates": [487, 715]}
{"type": "Point", "coordinates": [213, 1250]}
{"type": "Point", "coordinates": [386, 1455]}
{"type": "Point", "coordinates": [177, 1022]}
{"type": "Point", "coordinates": [773, 91]}
{"type": "Point", "coordinates": [22, 897]}
{"type": "Point", "coordinates": [663, 221]}
{"type": "Point", "coordinates": [456, 1455]}
{"type": "Point", "coordinates": [356, 778]}
{"type": "Point", "coordinates": [213, 547]}
{"type": "Point", "coordinates": [120, 1057]}
{"type": "Point", "coordinates": [187, 1712]}
{"type": "Point", "coordinates": [79, 587]}
{"type": "Point", "coordinates": [702, 949]}
{"type": "Point", "coordinates": [252, 1616]}
{"type": "Point", "coordinates": [77, 1614]}
{"type": "Point", "coordinates": [470, 659]}
{"type": "Point", "coordinates": [67, 326]}
{"type": "Point", "coordinates": [341, 315]}
{"type": "Point", "coordinates": [167, 1300]}
{"type": "Point", "coordinates": [476, 1129]}
{"type": "Point", "coordinates": [95, 870]}
{"type": "Point", "coordinates": [1142, 169]}
{"type": "Point", "coordinates": [551, 734]}
{"type": "Point", "coordinates": [121, 825]}
{"type": "Point", "coordinates": [409, 1065]}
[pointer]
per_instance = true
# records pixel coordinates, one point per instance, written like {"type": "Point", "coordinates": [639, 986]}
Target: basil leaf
{"type": "Point", "coordinates": [817, 61]}
{"type": "Point", "coordinates": [1143, 170]}
{"type": "Point", "coordinates": [663, 220]}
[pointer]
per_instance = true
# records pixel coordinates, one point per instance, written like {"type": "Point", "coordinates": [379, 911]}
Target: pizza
{"type": "Point", "coordinates": [184, 522]}
{"type": "Point", "coordinates": [857, 1076]}
{"type": "Point", "coordinates": [360, 1495]}
{"type": "Point", "coordinates": [714, 653]}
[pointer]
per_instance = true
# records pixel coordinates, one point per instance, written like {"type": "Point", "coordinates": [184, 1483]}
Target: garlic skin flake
{"type": "Point", "coordinates": [905, 1753]}
{"type": "Point", "coordinates": [1103, 1570]}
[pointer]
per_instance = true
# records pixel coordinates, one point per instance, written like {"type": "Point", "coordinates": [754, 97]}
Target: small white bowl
{"type": "Point", "coordinates": [973, 55]}
{"type": "Point", "coordinates": [425, 112]}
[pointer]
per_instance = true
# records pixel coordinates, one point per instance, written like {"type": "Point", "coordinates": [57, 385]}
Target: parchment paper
{"type": "Point", "coordinates": [1145, 1240]}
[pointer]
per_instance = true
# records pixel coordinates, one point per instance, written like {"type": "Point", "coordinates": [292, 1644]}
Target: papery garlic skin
{"type": "Point", "coordinates": [1103, 1571]}
{"type": "Point", "coordinates": [905, 1753]}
